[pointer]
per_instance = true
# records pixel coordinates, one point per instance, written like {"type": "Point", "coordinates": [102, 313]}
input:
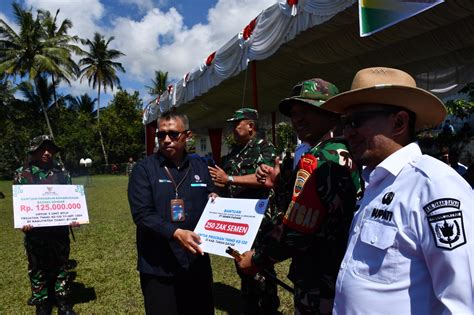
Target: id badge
{"type": "Point", "coordinates": [177, 210]}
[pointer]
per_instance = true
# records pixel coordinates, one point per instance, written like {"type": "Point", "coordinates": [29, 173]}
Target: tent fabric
{"type": "Point", "coordinates": [274, 26]}
{"type": "Point", "coordinates": [322, 40]}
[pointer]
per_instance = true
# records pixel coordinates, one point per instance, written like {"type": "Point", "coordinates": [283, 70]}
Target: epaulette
{"type": "Point", "coordinates": [432, 167]}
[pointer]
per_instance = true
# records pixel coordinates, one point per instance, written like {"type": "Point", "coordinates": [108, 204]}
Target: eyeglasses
{"type": "Point", "coordinates": [357, 119]}
{"type": "Point", "coordinates": [174, 135]}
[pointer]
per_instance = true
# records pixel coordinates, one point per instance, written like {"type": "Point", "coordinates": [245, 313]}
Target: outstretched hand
{"type": "Point", "coordinates": [27, 228]}
{"type": "Point", "coordinates": [189, 241]}
{"type": "Point", "coordinates": [268, 175]}
{"type": "Point", "coordinates": [219, 177]}
{"type": "Point", "coordinates": [74, 224]}
{"type": "Point", "coordinates": [246, 265]}
{"type": "Point", "coordinates": [213, 196]}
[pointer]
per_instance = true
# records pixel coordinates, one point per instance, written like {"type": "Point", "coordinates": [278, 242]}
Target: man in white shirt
{"type": "Point", "coordinates": [410, 249]}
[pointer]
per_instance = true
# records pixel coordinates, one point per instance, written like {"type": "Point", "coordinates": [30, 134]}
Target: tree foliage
{"type": "Point", "coordinates": [124, 133]}
{"type": "Point", "coordinates": [75, 129]}
{"type": "Point", "coordinates": [37, 49]}
{"type": "Point", "coordinates": [159, 84]}
{"type": "Point", "coordinates": [101, 70]}
{"type": "Point", "coordinates": [285, 138]}
{"type": "Point", "coordinates": [463, 107]}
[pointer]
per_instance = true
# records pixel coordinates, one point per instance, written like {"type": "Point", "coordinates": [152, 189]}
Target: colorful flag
{"type": "Point", "coordinates": [376, 15]}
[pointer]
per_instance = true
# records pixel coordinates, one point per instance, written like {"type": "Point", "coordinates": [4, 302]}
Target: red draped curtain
{"type": "Point", "coordinates": [215, 135]}
{"type": "Point", "coordinates": [150, 130]}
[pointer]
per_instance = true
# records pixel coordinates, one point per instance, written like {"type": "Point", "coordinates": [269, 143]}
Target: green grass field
{"type": "Point", "coordinates": [106, 278]}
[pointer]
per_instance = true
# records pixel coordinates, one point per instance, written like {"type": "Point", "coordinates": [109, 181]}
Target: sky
{"type": "Point", "coordinates": [173, 36]}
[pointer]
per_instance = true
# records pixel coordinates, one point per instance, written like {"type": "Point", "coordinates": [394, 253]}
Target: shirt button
{"type": "Point", "coordinates": [372, 241]}
{"type": "Point", "coordinates": [343, 265]}
{"type": "Point", "coordinates": [356, 229]}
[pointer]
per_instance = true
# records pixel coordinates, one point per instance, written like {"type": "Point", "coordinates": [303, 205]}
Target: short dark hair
{"type": "Point", "coordinates": [172, 114]}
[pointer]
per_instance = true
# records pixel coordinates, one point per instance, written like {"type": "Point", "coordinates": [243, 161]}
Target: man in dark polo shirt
{"type": "Point", "coordinates": [167, 193]}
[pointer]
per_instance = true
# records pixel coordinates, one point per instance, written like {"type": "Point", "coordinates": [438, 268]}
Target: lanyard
{"type": "Point", "coordinates": [176, 187]}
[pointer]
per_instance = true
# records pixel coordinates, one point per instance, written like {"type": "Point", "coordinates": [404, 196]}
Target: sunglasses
{"type": "Point", "coordinates": [174, 135]}
{"type": "Point", "coordinates": [356, 120]}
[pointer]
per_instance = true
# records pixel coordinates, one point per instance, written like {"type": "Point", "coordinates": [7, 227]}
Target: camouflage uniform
{"type": "Point", "coordinates": [47, 247]}
{"type": "Point", "coordinates": [259, 298]}
{"type": "Point", "coordinates": [314, 231]}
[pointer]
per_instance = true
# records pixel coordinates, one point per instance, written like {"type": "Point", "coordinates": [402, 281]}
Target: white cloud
{"type": "Point", "coordinates": [145, 5]}
{"type": "Point", "coordinates": [84, 14]}
{"type": "Point", "coordinates": [140, 40]}
{"type": "Point", "coordinates": [184, 48]}
{"type": "Point", "coordinates": [77, 88]}
{"type": "Point", "coordinates": [159, 40]}
{"type": "Point", "coordinates": [229, 17]}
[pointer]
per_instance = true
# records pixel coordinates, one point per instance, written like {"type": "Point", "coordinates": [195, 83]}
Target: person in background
{"type": "Point", "coordinates": [448, 129]}
{"type": "Point", "coordinates": [410, 248]}
{"type": "Point", "coordinates": [324, 187]}
{"type": "Point", "coordinates": [47, 248]}
{"type": "Point", "coordinates": [469, 175]}
{"type": "Point", "coordinates": [131, 163]}
{"type": "Point", "coordinates": [466, 130]}
{"type": "Point", "coordinates": [444, 156]}
{"type": "Point", "coordinates": [454, 162]}
{"type": "Point", "coordinates": [237, 180]}
{"type": "Point", "coordinates": [168, 192]}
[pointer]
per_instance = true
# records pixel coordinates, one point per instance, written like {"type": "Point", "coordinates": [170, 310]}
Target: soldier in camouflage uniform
{"type": "Point", "coordinates": [326, 186]}
{"type": "Point", "coordinates": [237, 180]}
{"type": "Point", "coordinates": [47, 247]}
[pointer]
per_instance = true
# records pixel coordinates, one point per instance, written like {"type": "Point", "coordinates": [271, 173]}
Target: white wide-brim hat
{"type": "Point", "coordinates": [387, 86]}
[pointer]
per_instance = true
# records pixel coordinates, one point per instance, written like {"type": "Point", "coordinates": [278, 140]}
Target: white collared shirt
{"type": "Point", "coordinates": [410, 248]}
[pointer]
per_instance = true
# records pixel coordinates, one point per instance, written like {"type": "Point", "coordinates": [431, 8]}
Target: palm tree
{"type": "Point", "coordinates": [7, 90]}
{"type": "Point", "coordinates": [159, 84]}
{"type": "Point", "coordinates": [58, 36]}
{"type": "Point", "coordinates": [30, 53]}
{"type": "Point", "coordinates": [39, 93]}
{"type": "Point", "coordinates": [83, 103]}
{"type": "Point", "coordinates": [101, 71]}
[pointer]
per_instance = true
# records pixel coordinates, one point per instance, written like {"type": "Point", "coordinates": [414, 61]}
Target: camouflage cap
{"type": "Point", "coordinates": [244, 113]}
{"type": "Point", "coordinates": [313, 92]}
{"type": "Point", "coordinates": [38, 141]}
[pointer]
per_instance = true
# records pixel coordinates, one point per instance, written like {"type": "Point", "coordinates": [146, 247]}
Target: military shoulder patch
{"type": "Point", "coordinates": [441, 203]}
{"type": "Point", "coordinates": [448, 229]}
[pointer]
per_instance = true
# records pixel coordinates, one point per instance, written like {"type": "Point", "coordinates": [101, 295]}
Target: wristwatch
{"type": "Point", "coordinates": [230, 179]}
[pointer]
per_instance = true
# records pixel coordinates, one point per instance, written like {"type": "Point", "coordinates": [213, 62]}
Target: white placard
{"type": "Point", "coordinates": [230, 222]}
{"type": "Point", "coordinates": [49, 205]}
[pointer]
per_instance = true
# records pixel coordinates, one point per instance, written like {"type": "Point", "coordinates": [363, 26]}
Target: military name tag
{"type": "Point", "coordinates": [177, 210]}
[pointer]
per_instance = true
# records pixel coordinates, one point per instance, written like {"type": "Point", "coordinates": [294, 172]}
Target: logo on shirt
{"type": "Point", "coordinates": [387, 198]}
{"type": "Point", "coordinates": [442, 203]}
{"type": "Point", "coordinates": [448, 229]}
{"type": "Point", "coordinates": [382, 214]}
{"type": "Point", "coordinates": [301, 179]}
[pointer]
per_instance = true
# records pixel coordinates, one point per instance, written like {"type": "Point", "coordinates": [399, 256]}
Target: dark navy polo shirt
{"type": "Point", "coordinates": [149, 193]}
